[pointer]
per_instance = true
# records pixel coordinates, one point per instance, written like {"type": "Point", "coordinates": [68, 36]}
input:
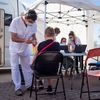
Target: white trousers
{"type": "Point", "coordinates": [25, 65]}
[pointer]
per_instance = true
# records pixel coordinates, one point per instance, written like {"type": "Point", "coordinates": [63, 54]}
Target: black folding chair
{"type": "Point", "coordinates": [48, 65]}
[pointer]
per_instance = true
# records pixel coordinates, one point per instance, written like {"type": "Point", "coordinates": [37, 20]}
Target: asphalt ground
{"type": "Point", "coordinates": [7, 89]}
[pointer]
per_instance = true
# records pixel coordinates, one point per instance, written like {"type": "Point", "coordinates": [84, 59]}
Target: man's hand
{"type": "Point", "coordinates": [31, 41]}
{"type": "Point", "coordinates": [28, 41]}
{"type": "Point", "coordinates": [34, 42]}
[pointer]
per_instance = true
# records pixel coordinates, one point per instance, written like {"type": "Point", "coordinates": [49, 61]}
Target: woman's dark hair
{"type": "Point", "coordinates": [62, 39]}
{"type": "Point", "coordinates": [57, 30]}
{"type": "Point", "coordinates": [71, 33]}
{"type": "Point", "coordinates": [31, 14]}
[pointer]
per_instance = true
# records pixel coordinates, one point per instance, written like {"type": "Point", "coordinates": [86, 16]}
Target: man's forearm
{"type": "Point", "coordinates": [17, 39]}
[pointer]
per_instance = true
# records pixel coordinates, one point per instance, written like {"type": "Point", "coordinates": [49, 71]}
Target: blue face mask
{"type": "Point", "coordinates": [64, 43]}
{"type": "Point", "coordinates": [29, 24]}
{"type": "Point", "coordinates": [71, 39]}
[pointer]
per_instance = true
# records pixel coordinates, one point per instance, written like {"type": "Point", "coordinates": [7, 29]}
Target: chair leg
{"type": "Point", "coordinates": [63, 87]}
{"type": "Point", "coordinates": [82, 84]}
{"type": "Point", "coordinates": [88, 86]}
{"type": "Point", "coordinates": [56, 86]}
{"type": "Point", "coordinates": [35, 89]}
{"type": "Point", "coordinates": [71, 76]}
{"type": "Point", "coordinates": [32, 86]}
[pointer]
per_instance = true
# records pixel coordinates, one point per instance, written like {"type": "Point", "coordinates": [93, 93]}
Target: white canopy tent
{"type": "Point", "coordinates": [85, 4]}
{"type": "Point", "coordinates": [76, 14]}
{"type": "Point", "coordinates": [89, 13]}
{"type": "Point", "coordinates": [78, 4]}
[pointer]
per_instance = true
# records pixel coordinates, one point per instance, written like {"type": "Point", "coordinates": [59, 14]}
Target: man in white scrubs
{"type": "Point", "coordinates": [23, 31]}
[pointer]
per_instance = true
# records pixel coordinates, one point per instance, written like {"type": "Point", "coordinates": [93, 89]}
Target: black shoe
{"type": "Point", "coordinates": [40, 85]}
{"type": "Point", "coordinates": [19, 92]}
{"type": "Point", "coordinates": [49, 89]}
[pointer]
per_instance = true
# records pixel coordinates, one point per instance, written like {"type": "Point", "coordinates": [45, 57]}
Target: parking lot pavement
{"type": "Point", "coordinates": [5, 77]}
{"type": "Point", "coordinates": [7, 90]}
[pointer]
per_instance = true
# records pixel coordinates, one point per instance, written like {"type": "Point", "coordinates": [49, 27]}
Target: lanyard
{"type": "Point", "coordinates": [24, 21]}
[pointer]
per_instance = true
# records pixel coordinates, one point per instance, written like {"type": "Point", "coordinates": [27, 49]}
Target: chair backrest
{"type": "Point", "coordinates": [47, 63]}
{"type": "Point", "coordinates": [92, 53]}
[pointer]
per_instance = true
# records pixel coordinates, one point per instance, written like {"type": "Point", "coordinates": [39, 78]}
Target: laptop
{"type": "Point", "coordinates": [64, 47]}
{"type": "Point", "coordinates": [80, 48]}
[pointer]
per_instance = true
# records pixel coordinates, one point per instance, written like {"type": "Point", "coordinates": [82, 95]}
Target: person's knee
{"type": "Point", "coordinates": [14, 66]}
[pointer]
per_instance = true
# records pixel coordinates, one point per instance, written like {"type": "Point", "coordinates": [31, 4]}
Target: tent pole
{"type": "Point", "coordinates": [17, 7]}
{"type": "Point", "coordinates": [45, 11]}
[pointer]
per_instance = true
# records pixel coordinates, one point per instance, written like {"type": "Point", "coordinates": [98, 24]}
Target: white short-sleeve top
{"type": "Point", "coordinates": [17, 26]}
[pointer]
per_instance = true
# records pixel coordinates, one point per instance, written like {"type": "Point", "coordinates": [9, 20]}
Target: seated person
{"type": "Point", "coordinates": [49, 37]}
{"type": "Point", "coordinates": [63, 41]}
{"type": "Point", "coordinates": [68, 61]}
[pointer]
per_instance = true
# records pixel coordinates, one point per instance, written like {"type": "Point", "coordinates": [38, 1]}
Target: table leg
{"type": "Point", "coordinates": [81, 62]}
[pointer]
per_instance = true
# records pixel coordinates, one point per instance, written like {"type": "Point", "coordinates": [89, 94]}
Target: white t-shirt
{"type": "Point", "coordinates": [17, 26]}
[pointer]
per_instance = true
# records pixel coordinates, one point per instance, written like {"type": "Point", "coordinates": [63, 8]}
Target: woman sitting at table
{"type": "Point", "coordinates": [67, 61]}
{"type": "Point", "coordinates": [63, 41]}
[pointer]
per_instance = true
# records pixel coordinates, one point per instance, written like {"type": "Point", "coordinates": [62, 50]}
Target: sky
{"type": "Point", "coordinates": [96, 2]}
{"type": "Point", "coordinates": [27, 2]}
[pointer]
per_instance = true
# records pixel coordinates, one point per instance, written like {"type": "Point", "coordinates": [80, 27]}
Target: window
{"type": "Point", "coordinates": [8, 19]}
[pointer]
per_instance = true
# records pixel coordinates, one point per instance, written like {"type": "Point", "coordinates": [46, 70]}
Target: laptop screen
{"type": "Point", "coordinates": [64, 47]}
{"type": "Point", "coordinates": [80, 48]}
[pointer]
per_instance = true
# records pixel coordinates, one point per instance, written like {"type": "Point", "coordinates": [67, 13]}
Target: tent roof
{"type": "Point", "coordinates": [69, 16]}
{"type": "Point", "coordinates": [85, 4]}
